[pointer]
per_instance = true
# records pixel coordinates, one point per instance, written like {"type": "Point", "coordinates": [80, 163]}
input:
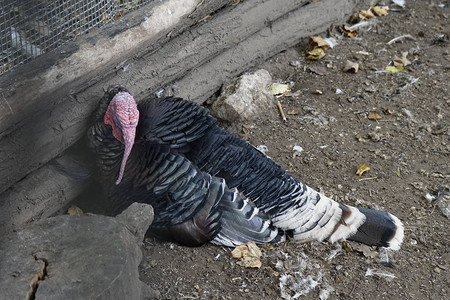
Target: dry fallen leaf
{"type": "Point", "coordinates": [74, 210]}
{"type": "Point", "coordinates": [249, 254]}
{"type": "Point", "coordinates": [365, 14]}
{"type": "Point", "coordinates": [293, 112]}
{"type": "Point", "coordinates": [388, 111]}
{"type": "Point", "coordinates": [373, 115]}
{"type": "Point", "coordinates": [317, 42]}
{"type": "Point", "coordinates": [402, 60]}
{"type": "Point", "coordinates": [316, 47]}
{"type": "Point", "coordinates": [345, 245]}
{"type": "Point", "coordinates": [238, 252]}
{"type": "Point", "coordinates": [348, 31]}
{"type": "Point", "coordinates": [380, 10]}
{"type": "Point", "coordinates": [351, 67]}
{"type": "Point", "coordinates": [314, 54]}
{"type": "Point", "coordinates": [278, 88]}
{"type": "Point", "coordinates": [394, 69]}
{"type": "Point", "coordinates": [361, 169]}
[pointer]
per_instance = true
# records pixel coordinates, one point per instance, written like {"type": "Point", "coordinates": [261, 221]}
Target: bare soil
{"type": "Point", "coordinates": [407, 150]}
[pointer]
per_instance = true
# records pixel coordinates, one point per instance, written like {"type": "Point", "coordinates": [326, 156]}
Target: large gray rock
{"type": "Point", "coordinates": [246, 98]}
{"type": "Point", "coordinates": [76, 257]}
{"type": "Point", "coordinates": [137, 218]}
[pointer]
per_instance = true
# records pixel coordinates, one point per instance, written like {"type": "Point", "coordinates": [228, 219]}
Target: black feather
{"type": "Point", "coordinates": [206, 184]}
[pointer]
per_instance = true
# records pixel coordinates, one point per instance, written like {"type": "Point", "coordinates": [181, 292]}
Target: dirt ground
{"type": "Point", "coordinates": [407, 150]}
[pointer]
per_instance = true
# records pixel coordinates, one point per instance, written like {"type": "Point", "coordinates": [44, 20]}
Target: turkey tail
{"type": "Point", "coordinates": [380, 229]}
{"type": "Point", "coordinates": [242, 222]}
{"type": "Point", "coordinates": [318, 217]}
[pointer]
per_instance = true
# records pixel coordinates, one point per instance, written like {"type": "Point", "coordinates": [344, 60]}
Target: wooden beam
{"type": "Point", "coordinates": [42, 193]}
{"type": "Point", "coordinates": [224, 30]}
{"type": "Point", "coordinates": [198, 61]}
{"type": "Point", "coordinates": [285, 32]}
{"type": "Point", "coordinates": [40, 115]}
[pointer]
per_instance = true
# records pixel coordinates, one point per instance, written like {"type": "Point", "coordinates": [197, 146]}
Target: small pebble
{"type": "Point", "coordinates": [295, 63]}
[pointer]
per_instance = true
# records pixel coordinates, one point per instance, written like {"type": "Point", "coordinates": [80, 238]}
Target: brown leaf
{"type": "Point", "coordinates": [293, 112]}
{"type": "Point", "coordinates": [249, 254]}
{"type": "Point", "coordinates": [365, 14]}
{"type": "Point", "coordinates": [380, 10]}
{"type": "Point", "coordinates": [373, 115]}
{"type": "Point", "coordinates": [361, 169]}
{"type": "Point", "coordinates": [351, 67]}
{"type": "Point", "coordinates": [402, 60]}
{"type": "Point", "coordinates": [315, 54]}
{"type": "Point", "coordinates": [316, 47]}
{"type": "Point", "coordinates": [74, 210]}
{"type": "Point", "coordinates": [346, 30]}
{"type": "Point", "coordinates": [388, 111]}
{"type": "Point", "coordinates": [317, 42]}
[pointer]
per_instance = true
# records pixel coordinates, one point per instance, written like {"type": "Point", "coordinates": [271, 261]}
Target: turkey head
{"type": "Point", "coordinates": [123, 116]}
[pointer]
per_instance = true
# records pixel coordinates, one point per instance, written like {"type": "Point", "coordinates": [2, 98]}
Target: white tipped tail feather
{"type": "Point", "coordinates": [397, 239]}
{"type": "Point", "coordinates": [242, 222]}
{"type": "Point", "coordinates": [317, 217]}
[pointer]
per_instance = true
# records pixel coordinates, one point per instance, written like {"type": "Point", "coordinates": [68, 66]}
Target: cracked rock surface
{"type": "Point", "coordinates": [76, 257]}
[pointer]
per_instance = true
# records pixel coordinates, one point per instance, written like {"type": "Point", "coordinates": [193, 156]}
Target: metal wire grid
{"type": "Point", "coordinates": [29, 28]}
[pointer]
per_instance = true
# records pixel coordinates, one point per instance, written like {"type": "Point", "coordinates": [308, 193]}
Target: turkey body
{"type": "Point", "coordinates": [207, 185]}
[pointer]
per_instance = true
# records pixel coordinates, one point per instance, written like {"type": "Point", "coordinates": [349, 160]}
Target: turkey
{"type": "Point", "coordinates": [207, 185]}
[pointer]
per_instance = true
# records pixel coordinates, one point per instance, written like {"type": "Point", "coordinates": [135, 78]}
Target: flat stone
{"type": "Point", "coordinates": [75, 257]}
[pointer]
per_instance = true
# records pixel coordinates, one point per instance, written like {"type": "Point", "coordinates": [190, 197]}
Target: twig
{"type": "Point", "coordinates": [281, 110]}
{"type": "Point", "coordinates": [353, 288]}
{"type": "Point", "coordinates": [368, 178]}
{"type": "Point", "coordinates": [405, 36]}
{"type": "Point", "coordinates": [204, 18]}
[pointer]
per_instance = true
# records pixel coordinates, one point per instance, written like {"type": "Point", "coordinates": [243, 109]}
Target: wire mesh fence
{"type": "Point", "coordinates": [29, 28]}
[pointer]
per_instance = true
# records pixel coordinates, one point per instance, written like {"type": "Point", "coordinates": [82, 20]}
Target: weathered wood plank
{"type": "Point", "coordinates": [203, 42]}
{"type": "Point", "coordinates": [285, 32]}
{"type": "Point", "coordinates": [61, 118]}
{"type": "Point", "coordinates": [40, 115]}
{"type": "Point", "coordinates": [39, 195]}
{"type": "Point", "coordinates": [91, 54]}
{"type": "Point", "coordinates": [61, 123]}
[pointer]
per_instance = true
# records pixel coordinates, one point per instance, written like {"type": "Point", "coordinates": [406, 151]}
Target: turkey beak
{"type": "Point", "coordinates": [129, 133]}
